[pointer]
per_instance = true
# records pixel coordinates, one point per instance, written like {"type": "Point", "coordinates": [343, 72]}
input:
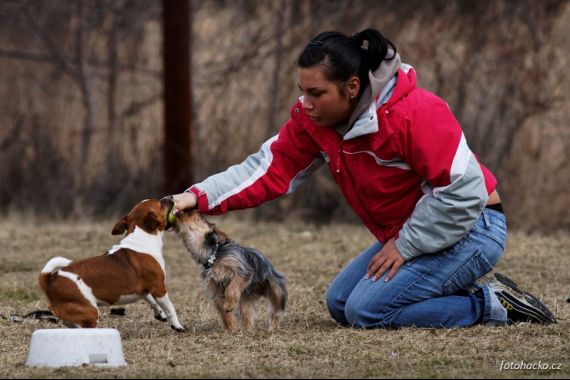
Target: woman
{"type": "Point", "coordinates": [402, 162]}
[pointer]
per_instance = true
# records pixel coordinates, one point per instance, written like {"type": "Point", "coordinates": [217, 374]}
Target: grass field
{"type": "Point", "coordinates": [309, 344]}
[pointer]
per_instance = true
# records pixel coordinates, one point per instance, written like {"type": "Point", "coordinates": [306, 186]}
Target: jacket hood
{"type": "Point", "coordinates": [364, 120]}
{"type": "Point", "coordinates": [378, 80]}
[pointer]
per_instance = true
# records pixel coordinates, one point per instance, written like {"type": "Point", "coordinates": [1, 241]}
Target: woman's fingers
{"type": "Point", "coordinates": [388, 259]}
{"type": "Point", "coordinates": [183, 201]}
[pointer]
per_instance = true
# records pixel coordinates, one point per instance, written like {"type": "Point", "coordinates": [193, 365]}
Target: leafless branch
{"type": "Point", "coordinates": [94, 63]}
{"type": "Point", "coordinates": [48, 42]}
{"type": "Point", "coordinates": [138, 106]}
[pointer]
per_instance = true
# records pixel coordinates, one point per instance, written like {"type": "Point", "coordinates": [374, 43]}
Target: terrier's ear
{"type": "Point", "coordinates": [120, 226]}
{"type": "Point", "coordinates": [221, 234]}
{"type": "Point", "coordinates": [151, 221]}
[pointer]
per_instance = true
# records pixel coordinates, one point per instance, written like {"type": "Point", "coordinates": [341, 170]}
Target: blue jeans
{"type": "Point", "coordinates": [429, 290]}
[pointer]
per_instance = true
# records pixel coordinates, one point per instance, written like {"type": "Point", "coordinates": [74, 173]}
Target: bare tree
{"type": "Point", "coordinates": [80, 72]}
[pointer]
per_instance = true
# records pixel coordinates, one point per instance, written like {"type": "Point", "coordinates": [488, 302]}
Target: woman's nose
{"type": "Point", "coordinates": [307, 106]}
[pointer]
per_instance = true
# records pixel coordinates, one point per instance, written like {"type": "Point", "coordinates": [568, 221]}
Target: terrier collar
{"type": "Point", "coordinates": [215, 251]}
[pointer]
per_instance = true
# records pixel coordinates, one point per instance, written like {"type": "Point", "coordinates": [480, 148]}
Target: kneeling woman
{"type": "Point", "coordinates": [403, 164]}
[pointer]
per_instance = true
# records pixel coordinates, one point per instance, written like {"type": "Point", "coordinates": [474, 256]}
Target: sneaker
{"type": "Point", "coordinates": [521, 306]}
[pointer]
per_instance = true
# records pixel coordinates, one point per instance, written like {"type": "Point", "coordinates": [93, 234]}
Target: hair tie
{"type": "Point", "coordinates": [316, 43]}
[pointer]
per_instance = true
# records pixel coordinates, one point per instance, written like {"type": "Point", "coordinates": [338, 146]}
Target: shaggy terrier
{"type": "Point", "coordinates": [235, 277]}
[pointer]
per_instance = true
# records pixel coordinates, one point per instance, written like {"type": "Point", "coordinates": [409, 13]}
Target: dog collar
{"type": "Point", "coordinates": [213, 256]}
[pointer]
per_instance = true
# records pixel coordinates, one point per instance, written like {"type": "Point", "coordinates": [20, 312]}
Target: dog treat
{"type": "Point", "coordinates": [171, 217]}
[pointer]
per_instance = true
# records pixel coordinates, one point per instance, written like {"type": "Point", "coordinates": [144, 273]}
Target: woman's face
{"type": "Point", "coordinates": [324, 102]}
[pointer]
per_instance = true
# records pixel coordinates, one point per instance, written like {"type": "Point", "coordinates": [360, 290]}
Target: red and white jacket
{"type": "Point", "coordinates": [404, 167]}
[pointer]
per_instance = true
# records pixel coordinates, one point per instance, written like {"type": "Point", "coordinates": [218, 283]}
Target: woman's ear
{"type": "Point", "coordinates": [352, 87]}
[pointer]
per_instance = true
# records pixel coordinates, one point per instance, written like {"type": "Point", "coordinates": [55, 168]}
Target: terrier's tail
{"type": "Point", "coordinates": [279, 287]}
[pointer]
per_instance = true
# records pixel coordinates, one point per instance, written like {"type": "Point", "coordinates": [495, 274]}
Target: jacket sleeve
{"type": "Point", "coordinates": [454, 189]}
{"type": "Point", "coordinates": [279, 167]}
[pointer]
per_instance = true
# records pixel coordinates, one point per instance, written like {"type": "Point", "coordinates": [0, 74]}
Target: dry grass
{"type": "Point", "coordinates": [309, 345]}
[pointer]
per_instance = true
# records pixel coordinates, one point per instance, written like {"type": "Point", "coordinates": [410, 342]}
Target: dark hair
{"type": "Point", "coordinates": [343, 57]}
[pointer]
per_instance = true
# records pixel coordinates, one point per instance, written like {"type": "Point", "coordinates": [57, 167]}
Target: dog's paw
{"type": "Point", "coordinates": [161, 318]}
{"type": "Point", "coordinates": [229, 307]}
{"type": "Point", "coordinates": [178, 329]}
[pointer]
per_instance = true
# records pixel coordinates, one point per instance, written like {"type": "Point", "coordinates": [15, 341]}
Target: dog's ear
{"type": "Point", "coordinates": [120, 226]}
{"type": "Point", "coordinates": [221, 234]}
{"type": "Point", "coordinates": [151, 221]}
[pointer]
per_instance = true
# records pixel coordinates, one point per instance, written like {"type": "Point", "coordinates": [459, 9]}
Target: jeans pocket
{"type": "Point", "coordinates": [471, 270]}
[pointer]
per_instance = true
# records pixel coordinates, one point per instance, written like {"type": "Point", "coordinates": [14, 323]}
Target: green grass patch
{"type": "Point", "coordinates": [21, 295]}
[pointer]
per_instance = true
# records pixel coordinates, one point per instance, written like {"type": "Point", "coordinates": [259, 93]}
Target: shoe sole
{"type": "Point", "coordinates": [535, 310]}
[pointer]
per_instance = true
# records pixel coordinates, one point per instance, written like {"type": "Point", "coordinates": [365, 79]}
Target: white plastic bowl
{"type": "Point", "coordinates": [75, 347]}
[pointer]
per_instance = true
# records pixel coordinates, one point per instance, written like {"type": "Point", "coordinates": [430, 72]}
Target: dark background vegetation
{"type": "Point", "coordinates": [81, 89]}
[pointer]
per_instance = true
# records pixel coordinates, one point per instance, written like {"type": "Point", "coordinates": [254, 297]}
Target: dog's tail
{"type": "Point", "coordinates": [279, 287]}
{"type": "Point", "coordinates": [278, 298]}
{"type": "Point", "coordinates": [51, 266]}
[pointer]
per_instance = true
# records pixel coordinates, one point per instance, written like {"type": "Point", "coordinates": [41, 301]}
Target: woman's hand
{"type": "Point", "coordinates": [183, 201]}
{"type": "Point", "coordinates": [387, 259]}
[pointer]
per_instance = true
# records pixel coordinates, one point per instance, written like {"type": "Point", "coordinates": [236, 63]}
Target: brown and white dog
{"type": "Point", "coordinates": [132, 270]}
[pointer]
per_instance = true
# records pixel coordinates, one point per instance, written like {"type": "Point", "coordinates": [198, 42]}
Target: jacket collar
{"type": "Point", "coordinates": [399, 85]}
{"type": "Point", "coordinates": [366, 123]}
{"type": "Point", "coordinates": [378, 80]}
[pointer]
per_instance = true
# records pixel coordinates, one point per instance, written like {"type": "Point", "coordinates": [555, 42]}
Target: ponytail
{"type": "Point", "coordinates": [376, 48]}
{"type": "Point", "coordinates": [343, 57]}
